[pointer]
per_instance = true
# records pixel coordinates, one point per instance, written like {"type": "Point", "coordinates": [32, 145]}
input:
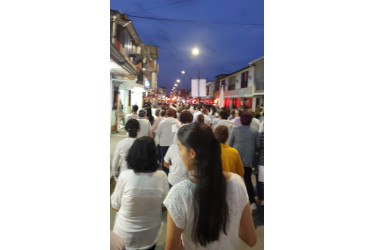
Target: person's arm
{"type": "Point", "coordinates": [173, 235]}
{"type": "Point", "coordinates": [232, 138]}
{"type": "Point", "coordinates": [117, 193]}
{"type": "Point", "coordinates": [115, 165]}
{"type": "Point", "coordinates": [239, 165]}
{"type": "Point", "coordinates": [247, 230]}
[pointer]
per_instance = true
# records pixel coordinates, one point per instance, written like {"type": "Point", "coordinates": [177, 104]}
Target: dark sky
{"type": "Point", "coordinates": [220, 29]}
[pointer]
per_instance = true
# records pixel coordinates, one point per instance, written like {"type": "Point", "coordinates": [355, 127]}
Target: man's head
{"type": "Point", "coordinates": [142, 113]}
{"type": "Point", "coordinates": [205, 111]}
{"type": "Point", "coordinates": [224, 114]}
{"type": "Point", "coordinates": [170, 113]}
{"type": "Point", "coordinates": [135, 108]}
{"type": "Point", "coordinates": [221, 133]}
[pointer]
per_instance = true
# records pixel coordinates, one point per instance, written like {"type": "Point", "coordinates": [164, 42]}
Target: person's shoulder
{"type": "Point", "coordinates": [160, 173]}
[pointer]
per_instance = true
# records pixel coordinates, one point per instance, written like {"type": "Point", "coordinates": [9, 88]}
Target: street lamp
{"type": "Point", "coordinates": [175, 85]}
{"type": "Point", "coordinates": [195, 51]}
{"type": "Point", "coordinates": [178, 80]}
{"type": "Point", "coordinates": [183, 72]}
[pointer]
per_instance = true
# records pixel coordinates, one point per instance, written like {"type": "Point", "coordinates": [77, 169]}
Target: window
{"type": "Point", "coordinates": [232, 83]}
{"type": "Point", "coordinates": [244, 79]}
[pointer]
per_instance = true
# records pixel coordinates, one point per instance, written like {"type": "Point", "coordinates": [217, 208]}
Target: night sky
{"type": "Point", "coordinates": [229, 34]}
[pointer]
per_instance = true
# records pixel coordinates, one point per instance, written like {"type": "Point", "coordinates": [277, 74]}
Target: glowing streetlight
{"type": "Point", "coordinates": [178, 80]}
{"type": "Point", "coordinates": [175, 85]}
{"type": "Point", "coordinates": [195, 51]}
{"type": "Point", "coordinates": [183, 72]}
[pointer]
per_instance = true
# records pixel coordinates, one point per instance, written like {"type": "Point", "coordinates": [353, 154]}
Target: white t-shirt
{"type": "Point", "coordinates": [195, 115]}
{"type": "Point", "coordinates": [207, 120]}
{"type": "Point", "coordinates": [165, 131]}
{"type": "Point", "coordinates": [131, 116]}
{"type": "Point", "coordinates": [120, 154]}
{"type": "Point", "coordinates": [177, 170]}
{"type": "Point", "coordinates": [145, 127]}
{"type": "Point", "coordinates": [139, 196]}
{"type": "Point", "coordinates": [236, 122]}
{"type": "Point", "coordinates": [226, 123]}
{"type": "Point", "coordinates": [179, 203]}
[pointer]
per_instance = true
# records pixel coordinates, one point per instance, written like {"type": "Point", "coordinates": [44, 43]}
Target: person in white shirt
{"type": "Point", "coordinates": [138, 197]}
{"type": "Point", "coordinates": [211, 210]}
{"type": "Point", "coordinates": [207, 119]}
{"type": "Point", "coordinates": [145, 125]}
{"type": "Point", "coordinates": [134, 113]}
{"type": "Point", "coordinates": [165, 132]}
{"type": "Point", "coordinates": [223, 115]}
{"type": "Point", "coordinates": [172, 160]}
{"type": "Point", "coordinates": [119, 163]}
{"type": "Point", "coordinates": [196, 113]}
{"type": "Point", "coordinates": [236, 121]}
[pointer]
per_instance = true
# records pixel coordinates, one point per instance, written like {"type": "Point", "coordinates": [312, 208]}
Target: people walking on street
{"type": "Point", "coordinates": [210, 210]}
{"type": "Point", "coordinates": [145, 125]}
{"type": "Point", "coordinates": [243, 139]}
{"type": "Point", "coordinates": [138, 197]}
{"type": "Point", "coordinates": [119, 163]}
{"type": "Point", "coordinates": [207, 119]}
{"type": "Point", "coordinates": [166, 134]}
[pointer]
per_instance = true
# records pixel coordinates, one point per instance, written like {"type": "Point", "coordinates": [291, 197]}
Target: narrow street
{"type": "Point", "coordinates": [258, 218]}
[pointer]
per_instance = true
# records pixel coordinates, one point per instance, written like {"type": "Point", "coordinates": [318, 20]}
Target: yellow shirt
{"type": "Point", "coordinates": [231, 161]}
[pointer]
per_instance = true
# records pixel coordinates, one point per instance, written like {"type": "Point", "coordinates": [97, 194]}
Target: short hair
{"type": "Point", "coordinates": [158, 112]}
{"type": "Point", "coordinates": [232, 112]}
{"type": "Point", "coordinates": [162, 113]}
{"type": "Point", "coordinates": [221, 133]}
{"type": "Point", "coordinates": [170, 113]}
{"type": "Point", "coordinates": [142, 155]}
{"type": "Point", "coordinates": [205, 111]}
{"type": "Point", "coordinates": [224, 114]}
{"type": "Point", "coordinates": [241, 112]}
{"type": "Point", "coordinates": [142, 113]}
{"type": "Point", "coordinates": [246, 118]}
{"type": "Point", "coordinates": [132, 127]}
{"type": "Point", "coordinates": [200, 118]}
{"type": "Point", "coordinates": [186, 117]}
{"type": "Point", "coordinates": [135, 107]}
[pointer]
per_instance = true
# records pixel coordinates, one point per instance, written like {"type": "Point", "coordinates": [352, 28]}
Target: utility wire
{"type": "Point", "coordinates": [158, 6]}
{"type": "Point", "coordinates": [194, 21]}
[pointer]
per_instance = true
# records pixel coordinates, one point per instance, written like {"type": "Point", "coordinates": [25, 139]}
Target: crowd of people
{"type": "Point", "coordinates": [195, 164]}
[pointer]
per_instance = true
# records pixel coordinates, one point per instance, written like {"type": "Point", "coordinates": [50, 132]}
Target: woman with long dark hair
{"type": "Point", "coordinates": [211, 210]}
{"type": "Point", "coordinates": [138, 197]}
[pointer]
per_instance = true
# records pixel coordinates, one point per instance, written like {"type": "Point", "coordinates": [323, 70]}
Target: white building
{"type": "Point", "coordinates": [244, 87]}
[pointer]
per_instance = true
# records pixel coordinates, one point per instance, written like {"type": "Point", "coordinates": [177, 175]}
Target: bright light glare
{"type": "Point", "coordinates": [175, 85]}
{"type": "Point", "coordinates": [183, 72]}
{"type": "Point", "coordinates": [195, 51]}
{"type": "Point", "coordinates": [178, 80]}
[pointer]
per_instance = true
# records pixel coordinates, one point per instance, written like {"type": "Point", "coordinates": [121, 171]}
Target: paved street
{"type": "Point", "coordinates": [258, 217]}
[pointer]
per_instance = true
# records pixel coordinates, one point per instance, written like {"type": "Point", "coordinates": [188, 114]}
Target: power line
{"type": "Point", "coordinates": [158, 7]}
{"type": "Point", "coordinates": [194, 21]}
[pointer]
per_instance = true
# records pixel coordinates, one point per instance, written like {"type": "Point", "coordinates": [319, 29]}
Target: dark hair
{"type": "Point", "coordinates": [158, 112]}
{"type": "Point", "coordinates": [142, 155]}
{"type": "Point", "coordinates": [132, 127]}
{"type": "Point", "coordinates": [224, 114]}
{"type": "Point", "coordinates": [241, 112]}
{"type": "Point", "coordinates": [209, 198]}
{"type": "Point", "coordinates": [200, 118]}
{"type": "Point", "coordinates": [214, 110]}
{"type": "Point", "coordinates": [221, 133]}
{"type": "Point", "coordinates": [186, 117]}
{"type": "Point", "coordinates": [170, 113]}
{"type": "Point", "coordinates": [232, 112]}
{"type": "Point", "coordinates": [135, 108]}
{"type": "Point", "coordinates": [246, 118]}
{"type": "Point", "coordinates": [142, 113]}
{"type": "Point", "coordinates": [162, 113]}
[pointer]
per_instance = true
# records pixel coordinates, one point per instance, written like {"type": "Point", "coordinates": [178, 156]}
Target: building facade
{"type": "Point", "coordinates": [244, 87]}
{"type": "Point", "coordinates": [133, 69]}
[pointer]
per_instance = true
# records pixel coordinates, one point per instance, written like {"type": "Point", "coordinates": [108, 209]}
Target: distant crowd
{"type": "Point", "coordinates": [195, 163]}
